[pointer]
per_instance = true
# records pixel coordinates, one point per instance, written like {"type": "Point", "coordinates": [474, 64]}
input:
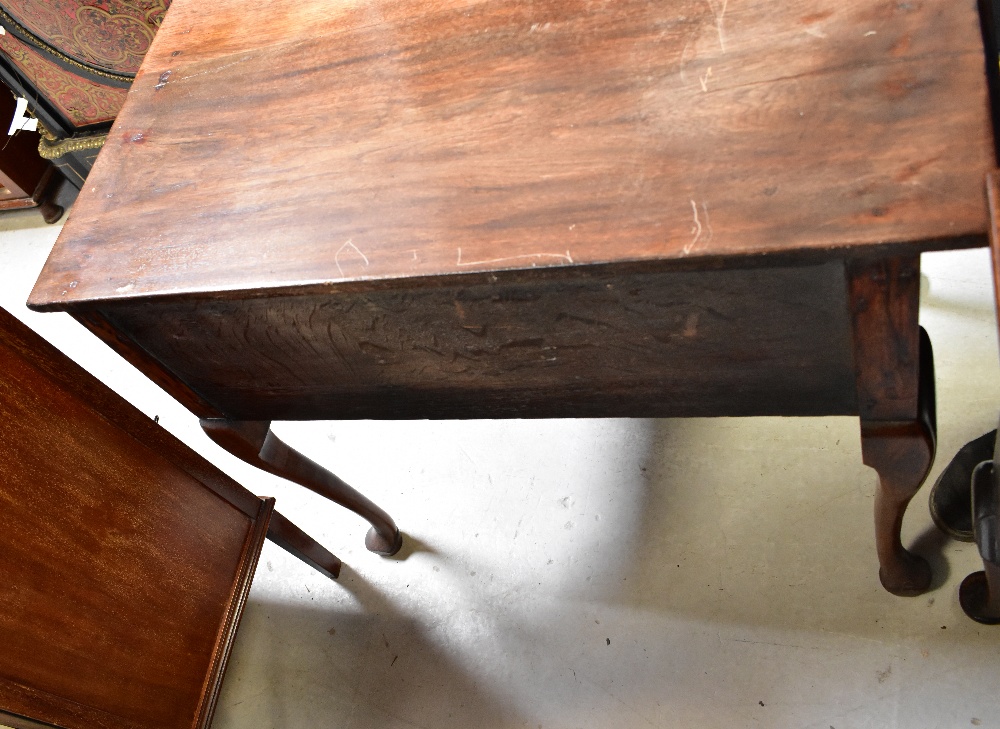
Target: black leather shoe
{"type": "Point", "coordinates": [951, 497]}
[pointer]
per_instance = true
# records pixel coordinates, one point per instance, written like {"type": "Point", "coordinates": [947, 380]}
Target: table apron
{"type": "Point", "coordinates": [730, 342]}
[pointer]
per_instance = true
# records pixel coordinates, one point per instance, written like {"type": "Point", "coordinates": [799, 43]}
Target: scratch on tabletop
{"type": "Point", "coordinates": [708, 221]}
{"type": "Point", "coordinates": [719, 15]}
{"type": "Point", "coordinates": [216, 70]}
{"type": "Point", "coordinates": [704, 79]}
{"type": "Point", "coordinates": [696, 229]}
{"type": "Point", "coordinates": [348, 244]}
{"type": "Point", "coordinates": [563, 256]}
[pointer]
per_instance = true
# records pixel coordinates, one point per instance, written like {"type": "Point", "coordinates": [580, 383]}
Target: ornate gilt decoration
{"type": "Point", "coordinates": [49, 147]}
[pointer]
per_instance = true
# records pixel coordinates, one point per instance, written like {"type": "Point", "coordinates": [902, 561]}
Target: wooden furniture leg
{"type": "Point", "coordinates": [979, 594]}
{"type": "Point", "coordinates": [252, 441]}
{"type": "Point", "coordinates": [902, 453]}
{"type": "Point", "coordinates": [895, 378]}
{"type": "Point", "coordinates": [296, 542]}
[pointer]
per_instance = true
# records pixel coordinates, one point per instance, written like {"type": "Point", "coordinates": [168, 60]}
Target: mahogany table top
{"type": "Point", "coordinates": [318, 144]}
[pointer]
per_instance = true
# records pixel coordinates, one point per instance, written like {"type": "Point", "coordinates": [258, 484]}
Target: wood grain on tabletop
{"type": "Point", "coordinates": [309, 141]}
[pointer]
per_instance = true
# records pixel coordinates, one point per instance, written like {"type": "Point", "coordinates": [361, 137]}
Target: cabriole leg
{"type": "Point", "coordinates": [895, 380]}
{"type": "Point", "coordinates": [902, 455]}
{"type": "Point", "coordinates": [252, 441]}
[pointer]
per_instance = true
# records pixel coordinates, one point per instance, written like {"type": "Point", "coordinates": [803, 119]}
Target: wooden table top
{"type": "Point", "coordinates": [337, 144]}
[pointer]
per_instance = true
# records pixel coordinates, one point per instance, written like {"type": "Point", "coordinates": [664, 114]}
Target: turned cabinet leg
{"type": "Point", "coordinates": [45, 195]}
{"type": "Point", "coordinates": [51, 212]}
{"type": "Point", "coordinates": [894, 366]}
{"type": "Point", "coordinates": [253, 442]}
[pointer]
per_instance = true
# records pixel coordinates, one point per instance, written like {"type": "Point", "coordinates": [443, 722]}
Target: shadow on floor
{"type": "Point", "coordinates": [732, 516]}
{"type": "Point", "coordinates": [363, 663]}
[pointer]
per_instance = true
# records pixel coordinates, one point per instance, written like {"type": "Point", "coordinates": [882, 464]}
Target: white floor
{"type": "Point", "coordinates": [601, 573]}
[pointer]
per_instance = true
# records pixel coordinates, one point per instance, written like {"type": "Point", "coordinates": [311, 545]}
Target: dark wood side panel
{"type": "Point", "coordinates": [725, 342]}
{"type": "Point", "coordinates": [137, 357]}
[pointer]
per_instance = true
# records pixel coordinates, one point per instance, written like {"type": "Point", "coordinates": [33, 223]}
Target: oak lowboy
{"type": "Point", "coordinates": [490, 208]}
